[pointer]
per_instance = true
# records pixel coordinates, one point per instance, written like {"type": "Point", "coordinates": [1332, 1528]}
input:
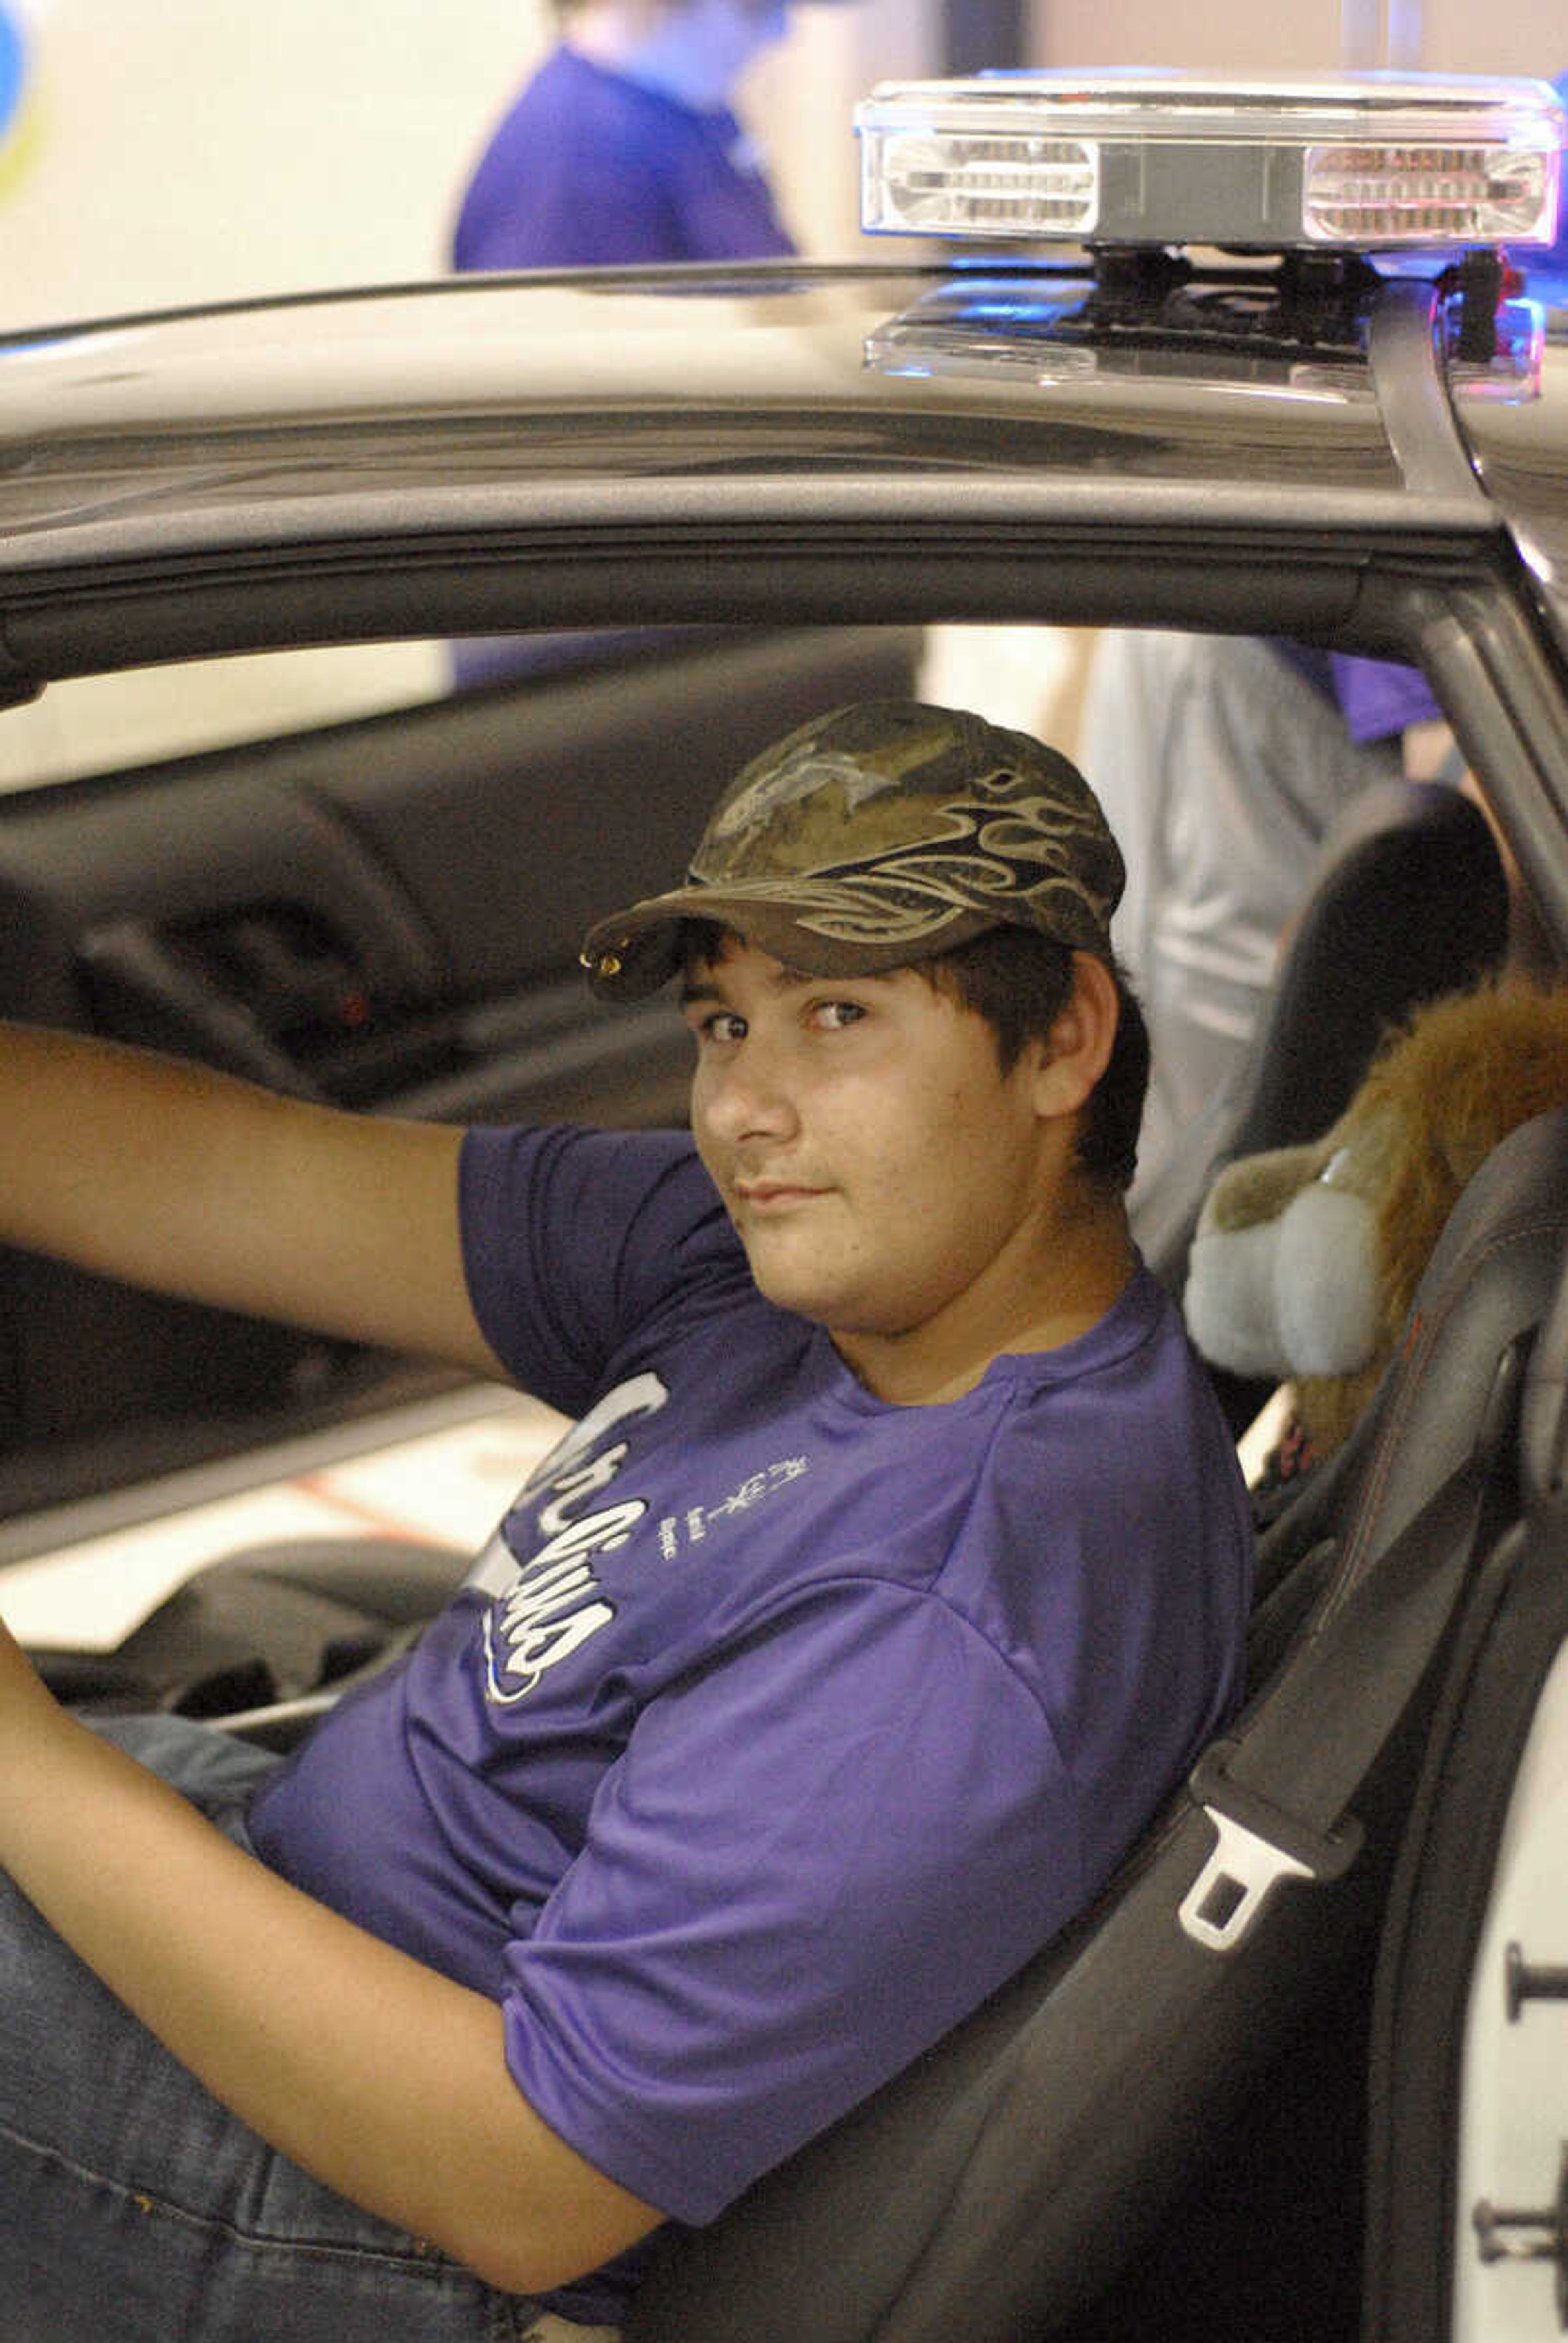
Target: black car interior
{"type": "Point", "coordinates": [384, 914]}
{"type": "Point", "coordinates": [306, 913]}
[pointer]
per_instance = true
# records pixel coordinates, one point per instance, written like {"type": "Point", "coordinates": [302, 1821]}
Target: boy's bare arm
{"type": "Point", "coordinates": [386, 2080]}
{"type": "Point", "coordinates": [169, 1175]}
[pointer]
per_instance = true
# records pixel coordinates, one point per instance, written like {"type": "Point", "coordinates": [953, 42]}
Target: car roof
{"type": "Point", "coordinates": [1232, 444]}
{"type": "Point", "coordinates": [512, 424]}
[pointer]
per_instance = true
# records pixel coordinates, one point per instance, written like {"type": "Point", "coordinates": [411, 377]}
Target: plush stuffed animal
{"type": "Point", "coordinates": [1306, 1258]}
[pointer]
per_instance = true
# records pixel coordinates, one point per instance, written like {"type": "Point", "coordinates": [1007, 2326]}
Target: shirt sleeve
{"type": "Point", "coordinates": [812, 1860]}
{"type": "Point", "coordinates": [1379, 698]}
{"type": "Point", "coordinates": [573, 1238]}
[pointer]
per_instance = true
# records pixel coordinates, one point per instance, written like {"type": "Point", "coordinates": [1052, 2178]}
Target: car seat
{"type": "Point", "coordinates": [1407, 900]}
{"type": "Point", "coordinates": [997, 2187]}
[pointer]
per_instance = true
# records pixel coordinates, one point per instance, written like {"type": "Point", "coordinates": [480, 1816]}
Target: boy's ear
{"type": "Point", "coordinates": [1082, 1039]}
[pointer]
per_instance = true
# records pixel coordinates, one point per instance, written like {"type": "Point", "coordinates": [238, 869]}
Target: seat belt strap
{"type": "Point", "coordinates": [1277, 1790]}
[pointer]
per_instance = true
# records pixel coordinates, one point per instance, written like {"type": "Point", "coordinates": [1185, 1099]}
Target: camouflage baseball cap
{"type": "Point", "coordinates": [873, 836]}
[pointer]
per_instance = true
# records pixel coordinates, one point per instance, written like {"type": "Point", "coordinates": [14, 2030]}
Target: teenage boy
{"type": "Point", "coordinates": [896, 1568]}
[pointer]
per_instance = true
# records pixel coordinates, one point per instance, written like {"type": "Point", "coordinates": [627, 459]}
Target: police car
{"type": "Point", "coordinates": [1247, 363]}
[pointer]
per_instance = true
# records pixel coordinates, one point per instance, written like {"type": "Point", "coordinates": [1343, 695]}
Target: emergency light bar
{"type": "Point", "coordinates": [1373, 161]}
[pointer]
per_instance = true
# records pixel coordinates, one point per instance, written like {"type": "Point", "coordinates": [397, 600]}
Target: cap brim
{"type": "Point", "coordinates": [631, 955]}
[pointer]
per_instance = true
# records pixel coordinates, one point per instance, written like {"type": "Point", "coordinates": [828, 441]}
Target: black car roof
{"type": "Point", "coordinates": [792, 444]}
{"type": "Point", "coordinates": [470, 454]}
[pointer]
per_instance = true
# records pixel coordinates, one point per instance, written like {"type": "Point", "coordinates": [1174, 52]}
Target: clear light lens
{"type": "Point", "coordinates": [1382, 161]}
{"type": "Point", "coordinates": [1426, 194]}
{"type": "Point", "coordinates": [998, 186]}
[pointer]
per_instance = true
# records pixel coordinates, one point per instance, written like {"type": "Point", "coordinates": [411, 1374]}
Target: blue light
{"type": "Point", "coordinates": [13, 72]}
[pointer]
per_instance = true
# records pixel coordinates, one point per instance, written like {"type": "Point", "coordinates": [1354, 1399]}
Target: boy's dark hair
{"type": "Point", "coordinates": [1018, 983]}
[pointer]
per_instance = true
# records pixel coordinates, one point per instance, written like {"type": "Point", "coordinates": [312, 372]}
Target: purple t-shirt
{"type": "Point", "coordinates": [590, 169]}
{"type": "Point", "coordinates": [1377, 698]}
{"type": "Point", "coordinates": [778, 1725]}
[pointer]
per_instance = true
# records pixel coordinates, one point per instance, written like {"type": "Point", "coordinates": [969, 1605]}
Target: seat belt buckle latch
{"type": "Point", "coordinates": [1256, 1845]}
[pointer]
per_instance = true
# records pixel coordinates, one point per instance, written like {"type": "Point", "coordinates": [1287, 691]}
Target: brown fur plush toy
{"type": "Point", "coordinates": [1306, 1258]}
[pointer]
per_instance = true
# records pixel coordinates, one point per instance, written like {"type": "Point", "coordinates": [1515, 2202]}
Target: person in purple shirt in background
{"type": "Point", "coordinates": [895, 1571]}
{"type": "Point", "coordinates": [622, 148]}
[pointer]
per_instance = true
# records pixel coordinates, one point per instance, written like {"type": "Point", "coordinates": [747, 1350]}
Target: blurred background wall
{"type": "Point", "coordinates": [157, 151]}
{"type": "Point", "coordinates": [1514, 36]}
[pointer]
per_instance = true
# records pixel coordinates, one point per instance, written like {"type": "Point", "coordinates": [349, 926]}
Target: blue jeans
{"type": "Point", "coordinates": [134, 2208]}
